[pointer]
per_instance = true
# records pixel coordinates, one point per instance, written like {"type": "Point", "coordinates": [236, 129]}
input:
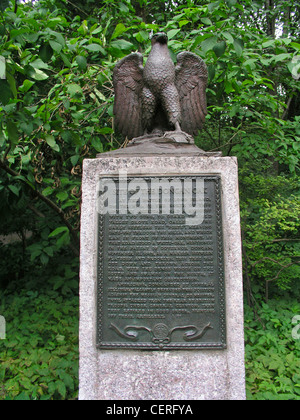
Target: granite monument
{"type": "Point", "coordinates": [161, 300]}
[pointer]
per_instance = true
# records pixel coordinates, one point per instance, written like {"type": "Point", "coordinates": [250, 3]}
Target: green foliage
{"type": "Point", "coordinates": [270, 222]}
{"type": "Point", "coordinates": [39, 357]}
{"type": "Point", "coordinates": [272, 354]}
{"type": "Point", "coordinates": [56, 98]}
{"type": "Point", "coordinates": [56, 109]}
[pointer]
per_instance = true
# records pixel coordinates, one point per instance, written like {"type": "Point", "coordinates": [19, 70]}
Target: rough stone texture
{"type": "Point", "coordinates": [172, 144]}
{"type": "Point", "coordinates": [173, 375]}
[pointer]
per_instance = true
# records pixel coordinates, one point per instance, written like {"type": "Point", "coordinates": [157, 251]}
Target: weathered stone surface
{"type": "Point", "coordinates": [131, 374]}
{"type": "Point", "coordinates": [174, 144]}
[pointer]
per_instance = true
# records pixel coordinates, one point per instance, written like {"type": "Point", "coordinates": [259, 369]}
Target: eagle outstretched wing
{"type": "Point", "coordinates": [128, 85]}
{"type": "Point", "coordinates": [191, 82]}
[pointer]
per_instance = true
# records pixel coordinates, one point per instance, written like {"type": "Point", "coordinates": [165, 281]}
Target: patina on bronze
{"type": "Point", "coordinates": [161, 280]}
{"type": "Point", "coordinates": [160, 99]}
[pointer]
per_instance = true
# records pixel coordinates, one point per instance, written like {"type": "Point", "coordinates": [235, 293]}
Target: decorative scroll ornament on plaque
{"type": "Point", "coordinates": [161, 334]}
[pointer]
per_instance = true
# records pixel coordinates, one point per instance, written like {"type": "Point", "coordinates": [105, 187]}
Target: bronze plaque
{"type": "Point", "coordinates": [160, 263]}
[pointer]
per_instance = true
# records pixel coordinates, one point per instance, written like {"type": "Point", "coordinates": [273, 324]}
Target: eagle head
{"type": "Point", "coordinates": [160, 38]}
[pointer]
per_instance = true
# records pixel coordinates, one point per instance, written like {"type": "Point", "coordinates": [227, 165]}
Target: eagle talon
{"type": "Point", "coordinates": [179, 136]}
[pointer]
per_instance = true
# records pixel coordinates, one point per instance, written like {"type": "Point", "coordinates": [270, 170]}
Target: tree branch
{"type": "Point", "coordinates": [78, 8]}
{"type": "Point", "coordinates": [267, 259]}
{"type": "Point", "coordinates": [210, 136]}
{"type": "Point", "coordinates": [50, 204]}
{"type": "Point", "coordinates": [283, 268]}
{"type": "Point", "coordinates": [286, 111]}
{"type": "Point", "coordinates": [228, 143]}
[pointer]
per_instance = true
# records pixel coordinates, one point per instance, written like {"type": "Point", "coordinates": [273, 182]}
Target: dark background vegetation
{"type": "Point", "coordinates": [56, 101]}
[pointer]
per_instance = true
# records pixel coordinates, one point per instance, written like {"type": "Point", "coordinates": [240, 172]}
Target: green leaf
{"type": "Point", "coordinates": [95, 48]}
{"type": "Point", "coordinates": [13, 133]}
{"type": "Point", "coordinates": [229, 37]}
{"type": "Point", "coordinates": [51, 142]}
{"type": "Point", "coordinates": [211, 71]}
{"type": "Point", "coordinates": [142, 36]}
{"type": "Point", "coordinates": [62, 196]}
{"type": "Point", "coordinates": [209, 43]}
{"type": "Point", "coordinates": [99, 94]}
{"type": "Point", "coordinates": [5, 92]}
{"type": "Point", "coordinates": [74, 90]}
{"type": "Point", "coordinates": [63, 240]}
{"type": "Point", "coordinates": [295, 45]}
{"type": "Point", "coordinates": [231, 3]}
{"type": "Point", "coordinates": [4, 4]}
{"type": "Point", "coordinates": [49, 251]}
{"type": "Point", "coordinates": [47, 191]}
{"type": "Point", "coordinates": [59, 38]}
{"type": "Point", "coordinates": [212, 6]}
{"type": "Point", "coordinates": [12, 83]}
{"type": "Point", "coordinates": [58, 231]}
{"type": "Point", "coordinates": [44, 259]}
{"type": "Point", "coordinates": [14, 190]}
{"type": "Point", "coordinates": [122, 44]}
{"type": "Point", "coordinates": [123, 7]}
{"type": "Point", "coordinates": [27, 84]}
{"type": "Point", "coordinates": [2, 138]}
{"type": "Point", "coordinates": [67, 104]}
{"type": "Point", "coordinates": [65, 60]}
{"type": "Point", "coordinates": [110, 110]}
{"type": "Point", "coordinates": [228, 87]}
{"type": "Point", "coordinates": [220, 48]}
{"type": "Point", "coordinates": [282, 57]}
{"type": "Point", "coordinates": [251, 63]}
{"type": "Point", "coordinates": [270, 43]}
{"type": "Point", "coordinates": [105, 130]}
{"type": "Point", "coordinates": [183, 22]}
{"type": "Point", "coordinates": [83, 30]}
{"type": "Point", "coordinates": [25, 382]}
{"type": "Point", "coordinates": [39, 75]}
{"type": "Point", "coordinates": [61, 388]}
{"type": "Point", "coordinates": [74, 159]}
{"type": "Point", "coordinates": [120, 29]}
{"type": "Point", "coordinates": [172, 33]}
{"type": "Point", "coordinates": [23, 396]}
{"type": "Point", "coordinates": [206, 21]}
{"type": "Point", "coordinates": [65, 377]}
{"type": "Point", "coordinates": [56, 46]}
{"type": "Point", "coordinates": [97, 29]}
{"type": "Point", "coordinates": [97, 144]}
{"type": "Point", "coordinates": [46, 52]}
{"type": "Point", "coordinates": [82, 62]}
{"type": "Point", "coordinates": [238, 46]}
{"type": "Point", "coordinates": [39, 64]}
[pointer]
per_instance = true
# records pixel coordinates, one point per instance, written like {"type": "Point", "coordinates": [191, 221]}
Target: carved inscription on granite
{"type": "Point", "coordinates": [161, 276]}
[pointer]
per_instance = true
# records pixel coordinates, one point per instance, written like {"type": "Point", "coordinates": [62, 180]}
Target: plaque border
{"type": "Point", "coordinates": [222, 344]}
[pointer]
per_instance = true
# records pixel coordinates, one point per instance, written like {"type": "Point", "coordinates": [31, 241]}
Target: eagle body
{"type": "Point", "coordinates": [159, 71]}
{"type": "Point", "coordinates": [160, 93]}
{"type": "Point", "coordinates": [159, 96]}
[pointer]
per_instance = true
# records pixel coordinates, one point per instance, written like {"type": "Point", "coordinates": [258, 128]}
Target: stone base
{"type": "Point", "coordinates": [172, 144]}
{"type": "Point", "coordinates": [162, 375]}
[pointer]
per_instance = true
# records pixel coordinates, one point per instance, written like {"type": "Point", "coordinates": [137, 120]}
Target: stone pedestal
{"type": "Point", "coordinates": [196, 374]}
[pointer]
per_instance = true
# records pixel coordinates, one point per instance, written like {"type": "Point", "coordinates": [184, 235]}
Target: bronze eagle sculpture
{"type": "Point", "coordinates": [159, 97]}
